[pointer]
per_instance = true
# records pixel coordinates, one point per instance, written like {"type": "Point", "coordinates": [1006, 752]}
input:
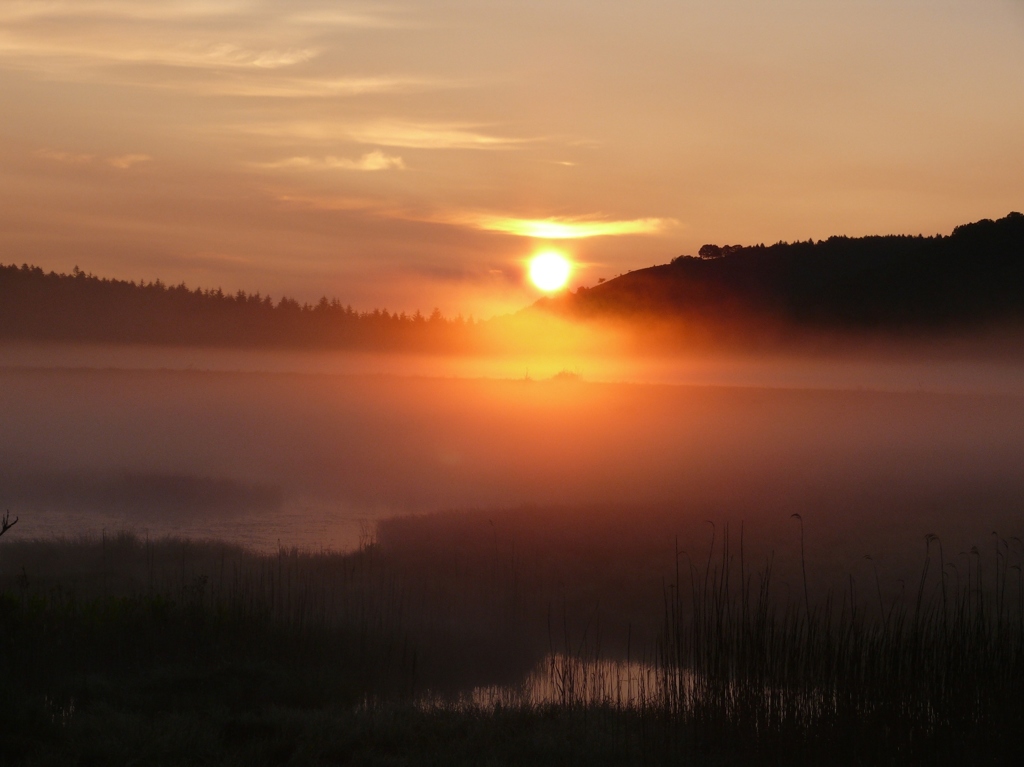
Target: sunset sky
{"type": "Point", "coordinates": [413, 154]}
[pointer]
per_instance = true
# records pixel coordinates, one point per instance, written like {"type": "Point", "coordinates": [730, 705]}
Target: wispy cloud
{"type": "Point", "coordinates": [251, 49]}
{"type": "Point", "coordinates": [60, 37]}
{"type": "Point", "coordinates": [228, 55]}
{"type": "Point", "coordinates": [214, 69]}
{"type": "Point", "coordinates": [564, 228]}
{"type": "Point", "coordinates": [69, 158]}
{"type": "Point", "coordinates": [193, 55]}
{"type": "Point", "coordinates": [121, 162]}
{"type": "Point", "coordinates": [409, 135]}
{"type": "Point", "coordinates": [166, 10]}
{"type": "Point", "coordinates": [308, 87]}
{"type": "Point", "coordinates": [196, 10]}
{"type": "Point", "coordinates": [554, 228]}
{"type": "Point", "coordinates": [379, 18]}
{"type": "Point", "coordinates": [432, 136]}
{"type": "Point", "coordinates": [370, 161]}
{"type": "Point", "coordinates": [337, 203]}
{"type": "Point", "coordinates": [126, 161]}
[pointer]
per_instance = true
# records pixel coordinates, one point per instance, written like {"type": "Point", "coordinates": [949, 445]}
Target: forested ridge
{"type": "Point", "coordinates": [37, 305]}
{"type": "Point", "coordinates": [973, 276]}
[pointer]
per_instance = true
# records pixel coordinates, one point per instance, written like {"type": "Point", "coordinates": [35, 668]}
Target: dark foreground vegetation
{"type": "Point", "coordinates": [972, 277]}
{"type": "Point", "coordinates": [125, 651]}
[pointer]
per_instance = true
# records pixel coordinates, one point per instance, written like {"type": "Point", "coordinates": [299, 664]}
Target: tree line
{"type": "Point", "coordinates": [47, 306]}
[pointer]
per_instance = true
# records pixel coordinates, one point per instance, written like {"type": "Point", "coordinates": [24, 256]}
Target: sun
{"type": "Point", "coordinates": [550, 270]}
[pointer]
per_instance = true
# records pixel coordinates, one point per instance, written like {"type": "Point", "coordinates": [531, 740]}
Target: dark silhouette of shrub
{"type": "Point", "coordinates": [5, 522]}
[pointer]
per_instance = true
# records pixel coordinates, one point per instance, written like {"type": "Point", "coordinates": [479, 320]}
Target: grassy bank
{"type": "Point", "coordinates": [122, 650]}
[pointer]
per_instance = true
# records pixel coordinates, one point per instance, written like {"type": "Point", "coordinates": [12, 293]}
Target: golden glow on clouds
{"type": "Point", "coordinates": [62, 38]}
{"type": "Point", "coordinates": [65, 157]}
{"type": "Point", "coordinates": [308, 88]}
{"type": "Point", "coordinates": [570, 228]}
{"type": "Point", "coordinates": [549, 270]}
{"type": "Point", "coordinates": [368, 162]}
{"type": "Point", "coordinates": [405, 135]}
{"type": "Point", "coordinates": [186, 10]}
{"type": "Point", "coordinates": [126, 161]}
{"type": "Point", "coordinates": [122, 162]}
{"type": "Point", "coordinates": [224, 56]}
{"type": "Point", "coordinates": [167, 10]}
{"type": "Point", "coordinates": [556, 229]}
{"type": "Point", "coordinates": [431, 136]}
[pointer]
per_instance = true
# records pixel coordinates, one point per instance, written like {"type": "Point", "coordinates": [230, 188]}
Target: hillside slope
{"type": "Point", "coordinates": [973, 276]}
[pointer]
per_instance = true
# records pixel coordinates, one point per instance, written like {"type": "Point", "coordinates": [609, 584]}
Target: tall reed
{"type": "Point", "coordinates": [734, 657]}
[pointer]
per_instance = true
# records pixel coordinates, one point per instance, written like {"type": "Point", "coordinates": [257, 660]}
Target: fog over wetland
{"type": "Point", "coordinates": [312, 449]}
{"type": "Point", "coordinates": [544, 533]}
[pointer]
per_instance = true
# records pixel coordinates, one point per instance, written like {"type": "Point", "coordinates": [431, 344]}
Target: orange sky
{"type": "Point", "coordinates": [413, 154]}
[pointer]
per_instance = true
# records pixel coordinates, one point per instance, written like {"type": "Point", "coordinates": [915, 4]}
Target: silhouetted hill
{"type": "Point", "coordinates": [78, 307]}
{"type": "Point", "coordinates": [973, 276]}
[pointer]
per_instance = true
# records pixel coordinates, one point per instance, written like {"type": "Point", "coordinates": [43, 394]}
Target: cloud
{"type": "Point", "coordinates": [308, 87]}
{"type": "Point", "coordinates": [368, 162]}
{"type": "Point", "coordinates": [432, 136]}
{"type": "Point", "coordinates": [408, 135]}
{"type": "Point", "coordinates": [564, 228]}
{"type": "Point", "coordinates": [69, 158]}
{"type": "Point", "coordinates": [205, 34]}
{"type": "Point", "coordinates": [122, 162]}
{"type": "Point", "coordinates": [213, 69]}
{"type": "Point", "coordinates": [65, 55]}
{"type": "Point", "coordinates": [336, 17]}
{"type": "Point", "coordinates": [555, 228]}
{"type": "Point", "coordinates": [166, 10]}
{"type": "Point", "coordinates": [126, 161]}
{"type": "Point", "coordinates": [87, 39]}
{"type": "Point", "coordinates": [229, 55]}
{"type": "Point", "coordinates": [254, 51]}
{"type": "Point", "coordinates": [336, 203]}
{"type": "Point", "coordinates": [193, 10]}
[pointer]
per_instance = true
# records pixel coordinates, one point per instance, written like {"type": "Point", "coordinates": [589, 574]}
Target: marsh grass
{"type": "Point", "coordinates": [121, 649]}
{"type": "Point", "coordinates": [939, 671]}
